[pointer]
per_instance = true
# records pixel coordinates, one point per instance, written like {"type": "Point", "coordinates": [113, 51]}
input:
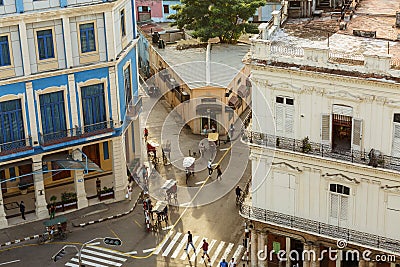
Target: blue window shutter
{"type": "Point", "coordinates": [93, 105]}
{"type": "Point", "coordinates": [63, 3]}
{"type": "Point", "coordinates": [11, 124]}
{"type": "Point", "coordinates": [53, 115]}
{"type": "Point", "coordinates": [19, 5]}
{"type": "Point", "coordinates": [106, 152]}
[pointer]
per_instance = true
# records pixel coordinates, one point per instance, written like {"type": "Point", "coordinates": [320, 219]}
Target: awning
{"type": "Point", "coordinates": [64, 161]}
{"type": "Point", "coordinates": [212, 107]}
{"type": "Point", "coordinates": [234, 102]}
{"type": "Point", "coordinates": [212, 137]}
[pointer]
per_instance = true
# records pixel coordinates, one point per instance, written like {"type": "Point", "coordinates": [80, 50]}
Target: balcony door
{"type": "Point", "coordinates": [52, 111]}
{"type": "Point", "coordinates": [12, 132]}
{"type": "Point", "coordinates": [93, 106]}
{"type": "Point", "coordinates": [339, 196]}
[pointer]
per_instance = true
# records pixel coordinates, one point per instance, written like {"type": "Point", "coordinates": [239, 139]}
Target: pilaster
{"type": "Point", "coordinates": [254, 249]}
{"type": "Point", "coordinates": [73, 100]}
{"type": "Point", "coordinates": [114, 96]}
{"type": "Point", "coordinates": [262, 243]}
{"type": "Point", "coordinates": [315, 261]}
{"type": "Point", "coordinates": [3, 219]}
{"type": "Point", "coordinates": [79, 183]}
{"type": "Point", "coordinates": [372, 264]}
{"type": "Point", "coordinates": [363, 263]}
{"type": "Point", "coordinates": [307, 260]}
{"type": "Point", "coordinates": [24, 47]}
{"type": "Point", "coordinates": [119, 169]}
{"type": "Point", "coordinates": [109, 24]}
{"type": "Point", "coordinates": [32, 115]}
{"type": "Point", "coordinates": [67, 41]}
{"type": "Point", "coordinates": [40, 196]}
{"type": "Point", "coordinates": [288, 248]}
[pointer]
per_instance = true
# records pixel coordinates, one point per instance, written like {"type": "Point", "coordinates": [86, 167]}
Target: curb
{"type": "Point", "coordinates": [16, 241]}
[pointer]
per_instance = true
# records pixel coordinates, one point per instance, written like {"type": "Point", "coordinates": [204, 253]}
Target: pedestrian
{"type": "Point", "coordinates": [213, 128]}
{"type": "Point", "coordinates": [231, 131]}
{"type": "Point", "coordinates": [238, 193]}
{"type": "Point", "coordinates": [187, 174]}
{"type": "Point", "coordinates": [52, 211]}
{"type": "Point", "coordinates": [190, 242]}
{"type": "Point", "coordinates": [219, 172]}
{"type": "Point", "coordinates": [144, 172]}
{"type": "Point", "coordinates": [146, 134]}
{"type": "Point", "coordinates": [98, 186]}
{"type": "Point", "coordinates": [205, 249]}
{"type": "Point", "coordinates": [22, 209]}
{"type": "Point", "coordinates": [202, 148]}
{"type": "Point", "coordinates": [232, 263]}
{"type": "Point", "coordinates": [209, 167]}
{"type": "Point", "coordinates": [223, 263]}
{"type": "Point", "coordinates": [129, 192]}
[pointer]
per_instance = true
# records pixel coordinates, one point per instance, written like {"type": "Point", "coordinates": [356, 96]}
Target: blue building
{"type": "Point", "coordinates": [68, 74]}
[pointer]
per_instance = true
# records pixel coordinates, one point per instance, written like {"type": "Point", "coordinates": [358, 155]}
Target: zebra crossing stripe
{"type": "Point", "coordinates": [174, 240]}
{"type": "Point", "coordinates": [108, 250]}
{"type": "Point", "coordinates": [71, 264]}
{"type": "Point", "coordinates": [198, 249]}
{"type": "Point", "coordinates": [186, 253]}
{"type": "Point", "coordinates": [180, 246]}
{"type": "Point", "coordinates": [108, 256]}
{"type": "Point", "coordinates": [163, 243]}
{"type": "Point", "coordinates": [113, 263]}
{"type": "Point", "coordinates": [227, 251]}
{"type": "Point", "coordinates": [210, 246]}
{"type": "Point", "coordinates": [88, 263]}
{"type": "Point", "coordinates": [219, 248]}
{"type": "Point", "coordinates": [237, 253]}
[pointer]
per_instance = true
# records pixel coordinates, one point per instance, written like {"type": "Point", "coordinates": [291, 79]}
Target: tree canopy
{"type": "Point", "coordinates": [215, 18]}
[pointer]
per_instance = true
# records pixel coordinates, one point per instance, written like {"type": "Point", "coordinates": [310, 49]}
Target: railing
{"type": "Point", "coordinates": [345, 58]}
{"type": "Point", "coordinates": [15, 146]}
{"type": "Point", "coordinates": [322, 150]}
{"type": "Point", "coordinates": [320, 228]}
{"type": "Point", "coordinates": [287, 50]}
{"type": "Point", "coordinates": [134, 108]}
{"type": "Point", "coordinates": [75, 133]}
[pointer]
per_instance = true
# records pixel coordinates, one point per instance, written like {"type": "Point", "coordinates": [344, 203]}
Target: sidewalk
{"type": "Point", "coordinates": [78, 218]}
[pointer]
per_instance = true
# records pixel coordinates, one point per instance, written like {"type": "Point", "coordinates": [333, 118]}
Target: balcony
{"type": "Point", "coordinates": [321, 150]}
{"type": "Point", "coordinates": [77, 133]}
{"type": "Point", "coordinates": [319, 228]}
{"type": "Point", "coordinates": [16, 146]}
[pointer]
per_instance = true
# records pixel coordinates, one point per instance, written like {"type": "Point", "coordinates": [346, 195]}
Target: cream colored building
{"type": "Point", "coordinates": [324, 145]}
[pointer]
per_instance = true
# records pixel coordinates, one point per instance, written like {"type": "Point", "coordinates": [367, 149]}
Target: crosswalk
{"type": "Point", "coordinates": [175, 243]}
{"type": "Point", "coordinates": [98, 257]}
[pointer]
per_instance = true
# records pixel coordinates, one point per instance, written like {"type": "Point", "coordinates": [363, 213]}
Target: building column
{"type": "Point", "coordinates": [288, 248]}
{"type": "Point", "coordinates": [40, 196]}
{"type": "Point", "coordinates": [24, 48]}
{"type": "Point", "coordinates": [31, 110]}
{"type": "Point", "coordinates": [254, 249]}
{"type": "Point", "coordinates": [73, 102]}
{"type": "Point", "coordinates": [114, 97]}
{"type": "Point", "coordinates": [363, 263]}
{"type": "Point", "coordinates": [119, 169]}
{"type": "Point", "coordinates": [306, 260]}
{"type": "Point", "coordinates": [339, 258]}
{"type": "Point", "coordinates": [315, 262]}
{"type": "Point", "coordinates": [79, 183]}
{"type": "Point", "coordinates": [3, 219]}
{"type": "Point", "coordinates": [67, 42]}
{"type": "Point", "coordinates": [372, 264]}
{"type": "Point", "coordinates": [109, 25]}
{"type": "Point", "coordinates": [262, 244]}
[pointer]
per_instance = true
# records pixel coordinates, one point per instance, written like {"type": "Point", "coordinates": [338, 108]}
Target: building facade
{"type": "Point", "coordinates": [68, 75]}
{"type": "Point", "coordinates": [324, 150]}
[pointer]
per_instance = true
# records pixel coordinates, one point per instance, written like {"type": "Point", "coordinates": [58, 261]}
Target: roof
{"type": "Point", "coordinates": [370, 15]}
{"type": "Point", "coordinates": [189, 64]}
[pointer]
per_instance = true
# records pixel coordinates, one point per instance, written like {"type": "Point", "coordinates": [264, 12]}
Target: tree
{"type": "Point", "coordinates": [215, 18]}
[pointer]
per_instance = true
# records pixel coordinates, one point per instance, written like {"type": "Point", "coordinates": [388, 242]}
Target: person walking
{"type": "Point", "coordinates": [205, 249]}
{"type": "Point", "coordinates": [238, 193]}
{"type": "Point", "coordinates": [190, 242]}
{"type": "Point", "coordinates": [223, 263]}
{"type": "Point", "coordinates": [129, 192]}
{"type": "Point", "coordinates": [232, 263]}
{"type": "Point", "coordinates": [219, 172]}
{"type": "Point", "coordinates": [209, 167]}
{"type": "Point", "coordinates": [144, 172]}
{"type": "Point", "coordinates": [146, 134]}
{"type": "Point", "coordinates": [22, 209]}
{"type": "Point", "coordinates": [52, 211]}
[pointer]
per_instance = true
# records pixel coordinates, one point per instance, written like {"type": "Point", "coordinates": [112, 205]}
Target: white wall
{"type": "Point", "coordinates": [8, 7]}
{"type": "Point", "coordinates": [128, 25]}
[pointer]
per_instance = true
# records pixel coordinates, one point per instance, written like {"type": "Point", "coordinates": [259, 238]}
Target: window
{"type": "Point", "coordinates": [106, 153]}
{"type": "Point", "coordinates": [11, 124]}
{"type": "Point", "coordinates": [5, 59]}
{"type": "Point", "coordinates": [87, 36]}
{"type": "Point", "coordinates": [166, 9]}
{"type": "Point", "coordinates": [45, 44]}
{"type": "Point", "coordinates": [123, 30]}
{"type": "Point", "coordinates": [12, 174]}
{"type": "Point", "coordinates": [284, 116]}
{"type": "Point", "coordinates": [396, 135]}
{"type": "Point", "coordinates": [93, 106]}
{"type": "Point", "coordinates": [339, 203]}
{"type": "Point", "coordinates": [52, 111]}
{"type": "Point", "coordinates": [1, 2]}
{"type": "Point", "coordinates": [127, 85]}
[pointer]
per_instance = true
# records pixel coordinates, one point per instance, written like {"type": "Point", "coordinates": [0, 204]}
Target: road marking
{"type": "Point", "coordinates": [186, 252]}
{"type": "Point", "coordinates": [174, 240]}
{"type": "Point", "coordinates": [219, 248]}
{"type": "Point", "coordinates": [223, 149]}
{"type": "Point", "coordinates": [237, 253]}
{"type": "Point", "coordinates": [149, 250]}
{"type": "Point", "coordinates": [88, 263]}
{"type": "Point", "coordinates": [138, 224]}
{"type": "Point", "coordinates": [94, 244]}
{"type": "Point", "coordinates": [109, 251]}
{"type": "Point", "coordinates": [202, 182]}
{"type": "Point", "coordinates": [71, 264]}
{"type": "Point", "coordinates": [180, 246]}
{"type": "Point", "coordinates": [132, 252]}
{"type": "Point", "coordinates": [168, 227]}
{"type": "Point", "coordinates": [210, 246]}
{"type": "Point", "coordinates": [162, 243]}
{"type": "Point", "coordinates": [8, 262]}
{"type": "Point", "coordinates": [197, 249]}
{"type": "Point", "coordinates": [227, 251]}
{"type": "Point", "coordinates": [108, 256]}
{"type": "Point", "coordinates": [113, 263]}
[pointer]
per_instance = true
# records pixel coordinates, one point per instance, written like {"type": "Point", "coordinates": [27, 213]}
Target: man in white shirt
{"type": "Point", "coordinates": [209, 167]}
{"type": "Point", "coordinates": [232, 263]}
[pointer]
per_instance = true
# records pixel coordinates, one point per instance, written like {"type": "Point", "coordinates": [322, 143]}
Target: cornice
{"type": "Point", "coordinates": [340, 177]}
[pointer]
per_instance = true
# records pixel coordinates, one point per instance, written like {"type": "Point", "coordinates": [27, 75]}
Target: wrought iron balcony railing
{"type": "Point", "coordinates": [15, 146]}
{"type": "Point", "coordinates": [319, 228]}
{"type": "Point", "coordinates": [354, 156]}
{"type": "Point", "coordinates": [75, 133]}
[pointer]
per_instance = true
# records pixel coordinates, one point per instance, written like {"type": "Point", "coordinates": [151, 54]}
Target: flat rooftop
{"type": "Point", "coordinates": [370, 15]}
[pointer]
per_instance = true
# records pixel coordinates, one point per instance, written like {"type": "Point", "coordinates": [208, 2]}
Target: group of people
{"type": "Point", "coordinates": [211, 170]}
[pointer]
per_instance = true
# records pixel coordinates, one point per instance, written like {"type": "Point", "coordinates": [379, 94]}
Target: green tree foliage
{"type": "Point", "coordinates": [215, 18]}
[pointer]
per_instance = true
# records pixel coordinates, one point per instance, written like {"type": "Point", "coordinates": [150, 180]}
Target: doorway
{"type": "Point", "coordinates": [341, 132]}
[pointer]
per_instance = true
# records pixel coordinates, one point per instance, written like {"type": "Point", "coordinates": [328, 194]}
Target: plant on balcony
{"type": "Point", "coordinates": [68, 197]}
{"type": "Point", "coordinates": [106, 193]}
{"type": "Point", "coordinates": [306, 146]}
{"type": "Point", "coordinates": [107, 190]}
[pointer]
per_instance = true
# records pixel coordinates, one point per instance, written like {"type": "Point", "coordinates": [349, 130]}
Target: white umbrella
{"type": "Point", "coordinates": [188, 161]}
